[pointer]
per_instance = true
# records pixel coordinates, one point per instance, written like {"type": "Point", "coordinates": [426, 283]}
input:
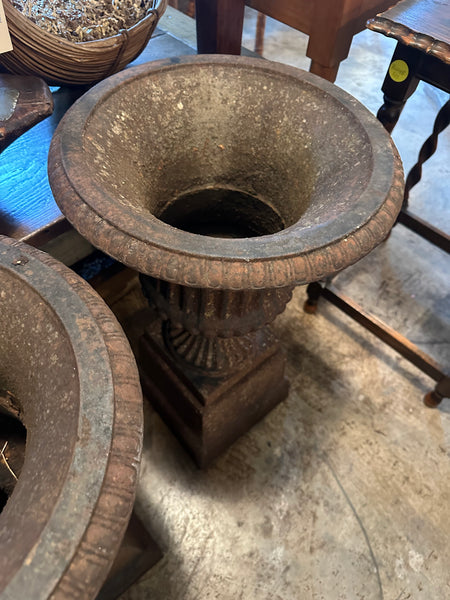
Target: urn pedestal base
{"type": "Point", "coordinates": [209, 413]}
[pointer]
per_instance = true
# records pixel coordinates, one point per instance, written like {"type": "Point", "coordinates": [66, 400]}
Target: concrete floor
{"type": "Point", "coordinates": [343, 491]}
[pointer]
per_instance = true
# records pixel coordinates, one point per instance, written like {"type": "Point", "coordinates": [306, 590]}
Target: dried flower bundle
{"type": "Point", "coordinates": [84, 20]}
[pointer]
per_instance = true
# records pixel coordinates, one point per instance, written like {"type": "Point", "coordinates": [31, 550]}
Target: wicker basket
{"type": "Point", "coordinates": [61, 62]}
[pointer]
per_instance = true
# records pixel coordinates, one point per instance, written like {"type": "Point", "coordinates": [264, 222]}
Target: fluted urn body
{"type": "Point", "coordinates": [226, 181]}
{"type": "Point", "coordinates": [68, 375]}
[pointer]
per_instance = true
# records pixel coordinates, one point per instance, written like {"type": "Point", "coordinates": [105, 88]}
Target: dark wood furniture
{"type": "Point", "coordinates": [422, 30]}
{"type": "Point", "coordinates": [330, 24]}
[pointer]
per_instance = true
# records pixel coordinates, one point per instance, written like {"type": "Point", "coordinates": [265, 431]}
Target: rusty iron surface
{"type": "Point", "coordinates": [67, 364]}
{"type": "Point", "coordinates": [225, 181]}
{"type": "Point", "coordinates": [211, 313]}
{"type": "Point", "coordinates": [282, 142]}
{"type": "Point", "coordinates": [208, 412]}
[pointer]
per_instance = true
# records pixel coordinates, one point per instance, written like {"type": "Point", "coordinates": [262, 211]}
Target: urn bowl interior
{"type": "Point", "coordinates": [225, 144]}
{"type": "Point", "coordinates": [184, 154]}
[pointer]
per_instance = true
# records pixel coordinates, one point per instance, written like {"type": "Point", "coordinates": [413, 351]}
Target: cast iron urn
{"type": "Point", "coordinates": [225, 181]}
{"type": "Point", "coordinates": [69, 380]}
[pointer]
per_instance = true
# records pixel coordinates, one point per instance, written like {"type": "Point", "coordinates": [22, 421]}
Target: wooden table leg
{"type": "Point", "coordinates": [219, 26]}
{"type": "Point", "coordinates": [428, 149]}
{"type": "Point", "coordinates": [329, 73]}
{"type": "Point", "coordinates": [407, 67]}
{"type": "Point", "coordinates": [399, 84]}
{"type": "Point", "coordinates": [441, 391]}
{"type": "Point", "coordinates": [331, 35]}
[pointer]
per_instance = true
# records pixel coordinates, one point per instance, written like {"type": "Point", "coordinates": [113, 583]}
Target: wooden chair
{"type": "Point", "coordinates": [330, 24]}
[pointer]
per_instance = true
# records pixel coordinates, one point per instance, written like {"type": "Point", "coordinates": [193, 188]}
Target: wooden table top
{"type": "Point", "coordinates": [422, 24]}
{"type": "Point", "coordinates": [27, 208]}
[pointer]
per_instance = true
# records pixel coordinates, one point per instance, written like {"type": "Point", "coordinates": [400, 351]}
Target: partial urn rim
{"type": "Point", "coordinates": [65, 523]}
{"type": "Point", "coordinates": [293, 256]}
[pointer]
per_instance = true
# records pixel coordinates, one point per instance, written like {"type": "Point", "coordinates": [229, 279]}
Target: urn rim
{"type": "Point", "coordinates": [290, 257]}
{"type": "Point", "coordinates": [98, 441]}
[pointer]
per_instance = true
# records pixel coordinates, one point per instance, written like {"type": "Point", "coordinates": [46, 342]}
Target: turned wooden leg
{"type": "Point", "coordinates": [428, 149]}
{"type": "Point", "coordinates": [389, 113]}
{"type": "Point", "coordinates": [399, 84]}
{"type": "Point", "coordinates": [313, 291]}
{"type": "Point", "coordinates": [441, 391]}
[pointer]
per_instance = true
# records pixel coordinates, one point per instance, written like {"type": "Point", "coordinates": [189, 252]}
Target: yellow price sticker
{"type": "Point", "coordinates": [398, 71]}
